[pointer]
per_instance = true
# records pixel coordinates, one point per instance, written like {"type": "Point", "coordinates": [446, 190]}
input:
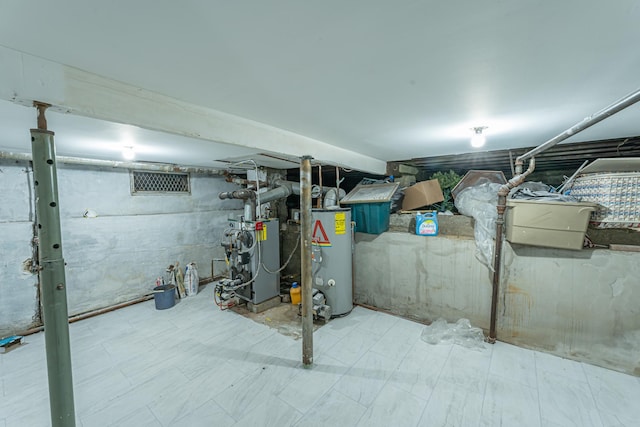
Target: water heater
{"type": "Point", "coordinates": [331, 251]}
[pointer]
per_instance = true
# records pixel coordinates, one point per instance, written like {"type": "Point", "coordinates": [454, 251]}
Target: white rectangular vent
{"type": "Point", "coordinates": [159, 182]}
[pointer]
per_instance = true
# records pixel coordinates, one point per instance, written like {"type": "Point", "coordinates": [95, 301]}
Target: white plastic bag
{"type": "Point", "coordinates": [191, 279]}
{"type": "Point", "coordinates": [461, 333]}
{"type": "Point", "coordinates": [479, 202]}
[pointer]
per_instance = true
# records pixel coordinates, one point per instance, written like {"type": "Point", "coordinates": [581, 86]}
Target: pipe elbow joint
{"type": "Point", "coordinates": [503, 191]}
{"type": "Point", "coordinates": [238, 194]}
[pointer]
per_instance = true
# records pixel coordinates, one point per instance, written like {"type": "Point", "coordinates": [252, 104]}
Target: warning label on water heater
{"type": "Point", "coordinates": [261, 231]}
{"type": "Point", "coordinates": [341, 223]}
{"type": "Point", "coordinates": [319, 236]}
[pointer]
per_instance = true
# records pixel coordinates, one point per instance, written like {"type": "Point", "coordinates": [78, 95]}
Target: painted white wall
{"type": "Point", "coordinates": [582, 305]}
{"type": "Point", "coordinates": [116, 256]}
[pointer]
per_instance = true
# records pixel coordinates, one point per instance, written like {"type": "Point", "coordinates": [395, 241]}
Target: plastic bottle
{"type": "Point", "coordinates": [427, 224]}
{"type": "Point", "coordinates": [295, 293]}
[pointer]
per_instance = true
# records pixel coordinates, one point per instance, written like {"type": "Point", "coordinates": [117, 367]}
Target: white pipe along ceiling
{"type": "Point", "coordinates": [353, 84]}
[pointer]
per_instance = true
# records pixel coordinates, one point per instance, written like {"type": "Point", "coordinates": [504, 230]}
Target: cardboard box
{"type": "Point", "coordinates": [422, 194]}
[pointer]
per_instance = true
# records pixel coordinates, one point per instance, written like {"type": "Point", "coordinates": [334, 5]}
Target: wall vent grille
{"type": "Point", "coordinates": [159, 182]}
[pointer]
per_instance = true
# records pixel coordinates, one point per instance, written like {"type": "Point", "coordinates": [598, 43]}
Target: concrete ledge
{"type": "Point", "coordinates": [449, 225]}
{"type": "Point", "coordinates": [265, 305]}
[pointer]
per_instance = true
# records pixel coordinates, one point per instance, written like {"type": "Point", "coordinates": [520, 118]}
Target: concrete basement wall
{"type": "Point", "coordinates": [583, 305]}
{"type": "Point", "coordinates": [117, 256]}
{"type": "Point", "coordinates": [18, 289]}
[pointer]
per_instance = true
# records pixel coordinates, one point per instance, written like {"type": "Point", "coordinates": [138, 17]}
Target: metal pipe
{"type": "Point", "coordinates": [276, 193]}
{"type": "Point", "coordinates": [243, 181]}
{"type": "Point", "coordinates": [319, 201]}
{"type": "Point", "coordinates": [52, 275]}
{"type": "Point", "coordinates": [108, 309]}
{"type": "Point", "coordinates": [295, 187]}
{"type": "Point", "coordinates": [579, 127]}
{"type": "Point", "coordinates": [305, 262]}
{"type": "Point", "coordinates": [93, 313]}
{"type": "Point", "coordinates": [282, 189]}
{"type": "Point", "coordinates": [572, 177]}
{"type": "Point", "coordinates": [520, 177]}
{"type": "Point", "coordinates": [249, 197]}
{"type": "Point", "coordinates": [338, 183]}
{"type": "Point", "coordinates": [237, 194]}
{"type": "Point", "coordinates": [153, 167]}
{"type": "Point", "coordinates": [497, 251]}
{"type": "Point", "coordinates": [353, 261]}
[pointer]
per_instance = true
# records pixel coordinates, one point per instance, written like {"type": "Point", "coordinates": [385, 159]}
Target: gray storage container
{"type": "Point", "coordinates": [546, 223]}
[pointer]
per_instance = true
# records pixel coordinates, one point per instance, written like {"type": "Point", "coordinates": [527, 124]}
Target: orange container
{"type": "Point", "coordinates": [295, 293]}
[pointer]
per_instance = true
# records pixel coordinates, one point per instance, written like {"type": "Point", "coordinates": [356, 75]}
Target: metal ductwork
{"type": "Point", "coordinates": [249, 197]}
{"type": "Point", "coordinates": [283, 188]}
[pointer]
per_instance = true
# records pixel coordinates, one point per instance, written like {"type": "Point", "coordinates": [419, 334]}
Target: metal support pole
{"type": "Point", "coordinates": [497, 265]}
{"type": "Point", "coordinates": [307, 286]}
{"type": "Point", "coordinates": [52, 277]}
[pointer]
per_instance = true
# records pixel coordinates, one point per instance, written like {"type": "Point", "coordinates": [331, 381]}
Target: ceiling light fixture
{"type": "Point", "coordinates": [478, 139]}
{"type": "Point", "coordinates": [128, 153]}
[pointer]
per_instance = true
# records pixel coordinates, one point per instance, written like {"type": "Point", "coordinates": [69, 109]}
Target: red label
{"type": "Point", "coordinates": [259, 226]}
{"type": "Point", "coordinates": [321, 240]}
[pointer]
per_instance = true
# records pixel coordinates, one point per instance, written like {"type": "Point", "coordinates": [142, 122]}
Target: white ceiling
{"type": "Point", "coordinates": [77, 136]}
{"type": "Point", "coordinates": [391, 80]}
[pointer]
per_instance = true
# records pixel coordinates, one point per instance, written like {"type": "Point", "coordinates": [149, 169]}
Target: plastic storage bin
{"type": "Point", "coordinates": [547, 224]}
{"type": "Point", "coordinates": [164, 296]}
{"type": "Point", "coordinates": [372, 218]}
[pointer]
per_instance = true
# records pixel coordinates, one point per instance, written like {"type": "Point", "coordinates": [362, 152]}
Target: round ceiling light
{"type": "Point", "coordinates": [478, 139]}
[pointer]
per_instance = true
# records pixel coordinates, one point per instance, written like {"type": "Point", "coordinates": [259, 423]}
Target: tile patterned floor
{"type": "Point", "coordinates": [194, 365]}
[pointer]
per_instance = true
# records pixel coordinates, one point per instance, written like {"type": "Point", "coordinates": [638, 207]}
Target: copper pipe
{"type": "Point", "coordinates": [88, 314]}
{"type": "Point", "coordinates": [104, 310]}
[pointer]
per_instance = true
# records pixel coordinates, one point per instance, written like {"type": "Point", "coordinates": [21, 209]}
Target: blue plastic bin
{"type": "Point", "coordinates": [371, 218]}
